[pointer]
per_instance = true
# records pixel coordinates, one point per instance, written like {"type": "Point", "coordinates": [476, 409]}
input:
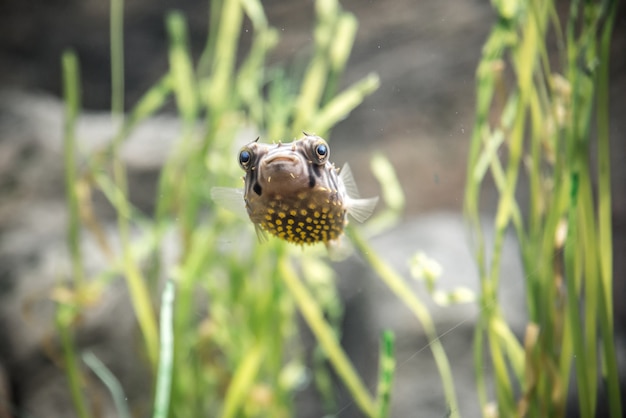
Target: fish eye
{"type": "Point", "coordinates": [321, 152]}
{"type": "Point", "coordinates": [245, 157]}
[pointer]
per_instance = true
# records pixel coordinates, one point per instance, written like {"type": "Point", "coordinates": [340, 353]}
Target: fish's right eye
{"type": "Point", "coordinates": [245, 157]}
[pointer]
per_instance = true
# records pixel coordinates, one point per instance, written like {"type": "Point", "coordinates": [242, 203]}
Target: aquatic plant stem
{"type": "Point", "coordinates": [326, 337]}
{"type": "Point", "coordinates": [117, 56]}
{"type": "Point", "coordinates": [242, 381]}
{"type": "Point", "coordinates": [387, 369]}
{"type": "Point", "coordinates": [166, 353]}
{"type": "Point", "coordinates": [64, 318]}
{"type": "Point", "coordinates": [138, 290]}
{"type": "Point", "coordinates": [605, 237]}
{"type": "Point", "coordinates": [71, 93]}
{"type": "Point", "coordinates": [397, 285]}
{"type": "Point", "coordinates": [110, 381]}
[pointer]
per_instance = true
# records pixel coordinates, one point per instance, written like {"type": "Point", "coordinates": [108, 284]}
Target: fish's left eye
{"type": "Point", "coordinates": [321, 152]}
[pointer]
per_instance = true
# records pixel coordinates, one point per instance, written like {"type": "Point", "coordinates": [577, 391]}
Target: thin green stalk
{"type": "Point", "coordinates": [326, 337]}
{"type": "Point", "coordinates": [166, 353]}
{"type": "Point", "coordinates": [504, 391]}
{"type": "Point", "coordinates": [341, 105]}
{"type": "Point", "coordinates": [181, 69]}
{"type": "Point", "coordinates": [136, 284]}
{"type": "Point", "coordinates": [207, 55]}
{"type": "Point", "coordinates": [573, 274]}
{"type": "Point", "coordinates": [310, 93]}
{"type": "Point", "coordinates": [243, 380]}
{"type": "Point", "coordinates": [387, 368]}
{"type": "Point", "coordinates": [71, 93]}
{"type": "Point", "coordinates": [219, 92]}
{"type": "Point", "coordinates": [339, 52]}
{"type": "Point", "coordinates": [605, 238]}
{"type": "Point", "coordinates": [64, 318]}
{"type": "Point", "coordinates": [592, 281]}
{"type": "Point", "coordinates": [141, 302]}
{"type": "Point", "coordinates": [605, 235]}
{"type": "Point", "coordinates": [117, 56]}
{"type": "Point", "coordinates": [479, 363]}
{"type": "Point", "coordinates": [564, 366]}
{"type": "Point", "coordinates": [611, 368]}
{"type": "Point", "coordinates": [110, 381]}
{"type": "Point", "coordinates": [400, 288]}
{"type": "Point", "coordinates": [316, 76]}
{"type": "Point", "coordinates": [151, 101]}
{"type": "Point", "coordinates": [65, 314]}
{"type": "Point", "coordinates": [139, 293]}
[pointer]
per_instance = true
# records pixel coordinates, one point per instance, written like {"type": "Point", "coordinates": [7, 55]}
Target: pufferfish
{"type": "Point", "coordinates": [293, 192]}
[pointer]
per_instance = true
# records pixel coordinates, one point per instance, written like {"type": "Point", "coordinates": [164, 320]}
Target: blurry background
{"type": "Point", "coordinates": [425, 53]}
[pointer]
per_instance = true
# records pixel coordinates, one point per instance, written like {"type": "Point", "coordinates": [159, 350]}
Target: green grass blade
{"type": "Point", "coordinates": [181, 67]}
{"type": "Point", "coordinates": [401, 289]}
{"type": "Point", "coordinates": [110, 381]}
{"type": "Point", "coordinates": [71, 93]}
{"type": "Point", "coordinates": [117, 56]}
{"type": "Point", "coordinates": [387, 367]}
{"type": "Point", "coordinates": [242, 381]}
{"type": "Point", "coordinates": [64, 318]}
{"type": "Point", "coordinates": [326, 338]}
{"type": "Point", "coordinates": [605, 238]}
{"type": "Point", "coordinates": [339, 107]}
{"type": "Point", "coordinates": [166, 353]}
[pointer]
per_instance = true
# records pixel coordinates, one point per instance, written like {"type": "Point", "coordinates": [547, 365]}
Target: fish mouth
{"type": "Point", "coordinates": [281, 158]}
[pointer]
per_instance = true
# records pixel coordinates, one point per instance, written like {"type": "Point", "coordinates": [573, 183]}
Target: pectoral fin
{"type": "Point", "coordinates": [361, 209]}
{"type": "Point", "coordinates": [231, 199]}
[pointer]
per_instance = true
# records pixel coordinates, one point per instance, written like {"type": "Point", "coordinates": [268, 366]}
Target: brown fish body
{"type": "Point", "coordinates": [302, 217]}
{"type": "Point", "coordinates": [294, 192]}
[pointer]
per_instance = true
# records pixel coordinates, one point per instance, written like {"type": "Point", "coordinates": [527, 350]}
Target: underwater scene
{"type": "Point", "coordinates": [312, 209]}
